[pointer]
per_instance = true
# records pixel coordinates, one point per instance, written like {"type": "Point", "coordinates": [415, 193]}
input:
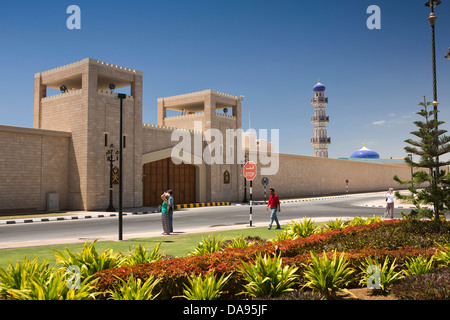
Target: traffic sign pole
{"type": "Point", "coordinates": [251, 202]}
{"type": "Point", "coordinates": [250, 174]}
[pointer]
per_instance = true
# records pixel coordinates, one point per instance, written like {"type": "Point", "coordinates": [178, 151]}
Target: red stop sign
{"type": "Point", "coordinates": [250, 170]}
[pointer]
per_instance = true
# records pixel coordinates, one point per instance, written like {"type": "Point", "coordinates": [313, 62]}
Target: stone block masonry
{"type": "Point", "coordinates": [32, 163]}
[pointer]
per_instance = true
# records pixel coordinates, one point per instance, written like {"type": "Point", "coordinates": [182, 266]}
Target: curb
{"type": "Point", "coordinates": [397, 207]}
{"type": "Point", "coordinates": [203, 204]}
{"type": "Point", "coordinates": [113, 214]}
{"type": "Point", "coordinates": [71, 217]}
{"type": "Point", "coordinates": [293, 200]}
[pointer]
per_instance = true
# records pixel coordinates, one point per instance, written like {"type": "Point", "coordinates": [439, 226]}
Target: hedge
{"type": "Point", "coordinates": [399, 239]}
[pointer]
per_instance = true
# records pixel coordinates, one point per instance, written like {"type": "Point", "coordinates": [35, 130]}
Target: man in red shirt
{"type": "Point", "coordinates": [274, 204]}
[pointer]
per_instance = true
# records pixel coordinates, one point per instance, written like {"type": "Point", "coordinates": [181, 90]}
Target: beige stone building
{"type": "Point", "coordinates": [63, 158]}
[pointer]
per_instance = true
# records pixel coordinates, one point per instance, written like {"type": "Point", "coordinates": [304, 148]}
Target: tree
{"type": "Point", "coordinates": [431, 146]}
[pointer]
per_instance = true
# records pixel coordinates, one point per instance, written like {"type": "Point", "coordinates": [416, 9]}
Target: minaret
{"type": "Point", "coordinates": [320, 121]}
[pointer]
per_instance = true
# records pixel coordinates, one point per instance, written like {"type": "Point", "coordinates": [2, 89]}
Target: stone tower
{"type": "Point", "coordinates": [86, 107]}
{"type": "Point", "coordinates": [209, 109]}
{"type": "Point", "coordinates": [320, 120]}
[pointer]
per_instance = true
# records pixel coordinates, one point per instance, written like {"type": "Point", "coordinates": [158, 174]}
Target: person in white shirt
{"type": "Point", "coordinates": [390, 196]}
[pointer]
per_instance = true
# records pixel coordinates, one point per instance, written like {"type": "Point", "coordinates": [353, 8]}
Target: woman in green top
{"type": "Point", "coordinates": [165, 213]}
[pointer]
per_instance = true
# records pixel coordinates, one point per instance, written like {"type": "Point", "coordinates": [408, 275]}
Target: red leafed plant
{"type": "Point", "coordinates": [391, 239]}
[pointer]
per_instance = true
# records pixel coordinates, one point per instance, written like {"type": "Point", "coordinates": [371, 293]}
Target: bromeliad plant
{"type": "Point", "coordinates": [442, 255]}
{"type": "Point", "coordinates": [134, 289]}
{"type": "Point", "coordinates": [204, 288]}
{"type": "Point", "coordinates": [302, 229]}
{"type": "Point", "coordinates": [419, 265]}
{"type": "Point", "coordinates": [240, 242]}
{"type": "Point", "coordinates": [379, 276]}
{"type": "Point", "coordinates": [21, 275]}
{"type": "Point", "coordinates": [334, 224]}
{"type": "Point", "coordinates": [210, 244]}
{"type": "Point", "coordinates": [89, 260]}
{"type": "Point", "coordinates": [328, 276]}
{"type": "Point", "coordinates": [57, 286]}
{"type": "Point", "coordinates": [294, 230]}
{"type": "Point", "coordinates": [359, 221]}
{"type": "Point", "coordinates": [267, 277]}
{"type": "Point", "coordinates": [140, 254]}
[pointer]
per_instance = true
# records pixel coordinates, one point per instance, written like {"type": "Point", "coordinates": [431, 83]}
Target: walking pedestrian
{"type": "Point", "coordinates": [390, 196]}
{"type": "Point", "coordinates": [171, 206]}
{"type": "Point", "coordinates": [274, 204]}
{"type": "Point", "coordinates": [165, 213]}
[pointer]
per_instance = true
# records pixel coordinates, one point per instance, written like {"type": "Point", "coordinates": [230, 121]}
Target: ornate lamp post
{"type": "Point", "coordinates": [111, 156]}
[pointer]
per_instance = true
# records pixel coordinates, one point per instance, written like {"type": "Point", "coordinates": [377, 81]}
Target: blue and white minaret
{"type": "Point", "coordinates": [320, 121]}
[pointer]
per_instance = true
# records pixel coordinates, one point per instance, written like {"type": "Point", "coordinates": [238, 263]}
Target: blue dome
{"type": "Point", "coordinates": [365, 153]}
{"type": "Point", "coordinates": [319, 87]}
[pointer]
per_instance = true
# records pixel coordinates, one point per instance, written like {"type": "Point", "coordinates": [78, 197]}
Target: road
{"type": "Point", "coordinates": [202, 219]}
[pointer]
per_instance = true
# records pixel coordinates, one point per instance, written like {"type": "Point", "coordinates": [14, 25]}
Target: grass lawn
{"type": "Point", "coordinates": [177, 245]}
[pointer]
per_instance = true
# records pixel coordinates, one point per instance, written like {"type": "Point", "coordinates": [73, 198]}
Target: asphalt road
{"type": "Point", "coordinates": [185, 220]}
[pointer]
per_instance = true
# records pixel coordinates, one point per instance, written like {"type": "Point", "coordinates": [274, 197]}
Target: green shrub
{"type": "Point", "coordinates": [392, 239]}
{"type": "Point", "coordinates": [135, 289]}
{"type": "Point", "coordinates": [207, 288]}
{"type": "Point", "coordinates": [209, 244]}
{"type": "Point", "coordinates": [55, 287]}
{"type": "Point", "coordinates": [21, 275]}
{"type": "Point", "coordinates": [89, 261]}
{"type": "Point", "coordinates": [267, 277]}
{"type": "Point", "coordinates": [238, 242]}
{"type": "Point", "coordinates": [379, 276]}
{"type": "Point", "coordinates": [442, 255]}
{"type": "Point", "coordinates": [140, 254]}
{"type": "Point", "coordinates": [336, 224]}
{"type": "Point", "coordinates": [359, 221]}
{"type": "Point", "coordinates": [294, 230]}
{"type": "Point", "coordinates": [302, 229]}
{"type": "Point", "coordinates": [418, 265]}
{"type": "Point", "coordinates": [326, 275]}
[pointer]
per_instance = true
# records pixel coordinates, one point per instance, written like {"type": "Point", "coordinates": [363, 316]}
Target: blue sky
{"type": "Point", "coordinates": [272, 52]}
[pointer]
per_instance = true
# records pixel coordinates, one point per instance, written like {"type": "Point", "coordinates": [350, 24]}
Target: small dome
{"type": "Point", "coordinates": [319, 87]}
{"type": "Point", "coordinates": [365, 153]}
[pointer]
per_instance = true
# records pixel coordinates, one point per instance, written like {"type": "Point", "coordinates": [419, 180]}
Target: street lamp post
{"type": "Point", "coordinates": [121, 96]}
{"type": "Point", "coordinates": [110, 157]}
{"type": "Point", "coordinates": [432, 19]}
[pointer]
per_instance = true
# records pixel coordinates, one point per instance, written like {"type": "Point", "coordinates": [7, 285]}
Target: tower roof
{"type": "Point", "coordinates": [319, 87]}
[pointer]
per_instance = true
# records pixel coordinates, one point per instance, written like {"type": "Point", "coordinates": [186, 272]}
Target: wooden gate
{"type": "Point", "coordinates": [161, 175]}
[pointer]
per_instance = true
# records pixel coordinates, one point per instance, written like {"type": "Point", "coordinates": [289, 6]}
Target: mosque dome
{"type": "Point", "coordinates": [319, 87]}
{"type": "Point", "coordinates": [365, 153]}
